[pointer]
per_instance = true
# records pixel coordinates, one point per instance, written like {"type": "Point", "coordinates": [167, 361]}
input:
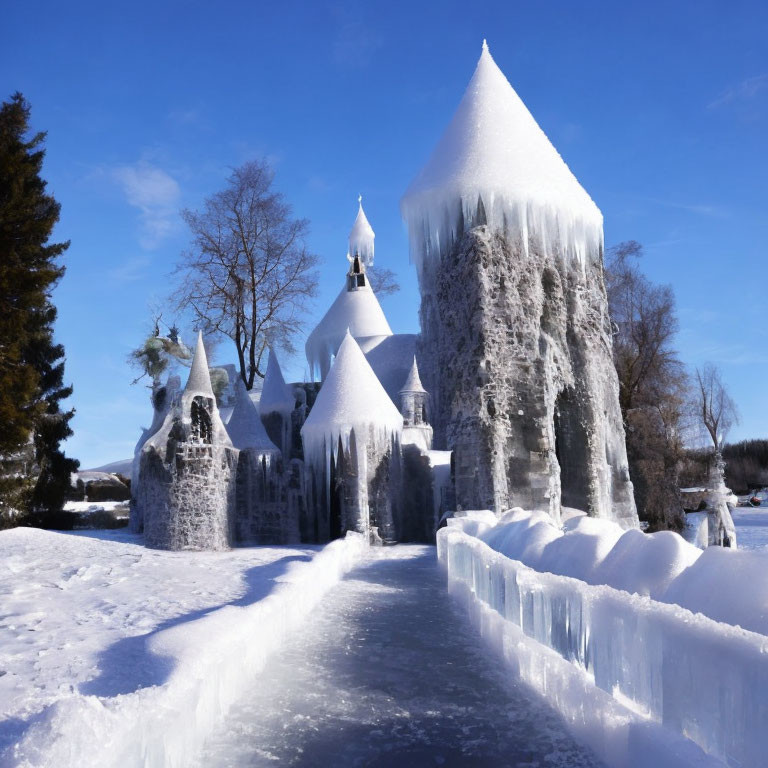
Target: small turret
{"type": "Point", "coordinates": [361, 237]}
{"type": "Point", "coordinates": [413, 406]}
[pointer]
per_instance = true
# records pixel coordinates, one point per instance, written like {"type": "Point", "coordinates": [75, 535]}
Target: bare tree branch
{"type": "Point", "coordinates": [247, 274]}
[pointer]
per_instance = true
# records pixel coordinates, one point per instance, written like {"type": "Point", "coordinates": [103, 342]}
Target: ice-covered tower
{"type": "Point", "coordinates": [361, 237]}
{"type": "Point", "coordinates": [352, 450]}
{"type": "Point", "coordinates": [276, 406]}
{"type": "Point", "coordinates": [413, 406]}
{"type": "Point", "coordinates": [516, 338]}
{"type": "Point", "coordinates": [187, 476]}
{"type": "Point", "coordinates": [356, 308]}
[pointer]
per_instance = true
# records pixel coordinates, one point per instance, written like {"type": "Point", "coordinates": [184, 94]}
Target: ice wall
{"type": "Point", "coordinates": [659, 663]}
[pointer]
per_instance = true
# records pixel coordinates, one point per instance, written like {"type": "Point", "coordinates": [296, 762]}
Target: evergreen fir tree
{"type": "Point", "coordinates": [34, 473]}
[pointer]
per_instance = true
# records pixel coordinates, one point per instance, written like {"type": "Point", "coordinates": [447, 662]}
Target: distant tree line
{"type": "Point", "coordinates": [34, 472]}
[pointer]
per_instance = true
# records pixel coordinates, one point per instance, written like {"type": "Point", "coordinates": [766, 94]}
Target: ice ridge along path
{"type": "Point", "coordinates": [388, 672]}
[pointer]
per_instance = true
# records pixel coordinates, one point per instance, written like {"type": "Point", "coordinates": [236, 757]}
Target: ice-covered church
{"type": "Point", "coordinates": [508, 397]}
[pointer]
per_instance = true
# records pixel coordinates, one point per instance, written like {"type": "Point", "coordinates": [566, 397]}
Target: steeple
{"type": "Point", "coordinates": [413, 383]}
{"type": "Point", "coordinates": [199, 381]}
{"type": "Point", "coordinates": [413, 399]}
{"type": "Point", "coordinates": [361, 237]}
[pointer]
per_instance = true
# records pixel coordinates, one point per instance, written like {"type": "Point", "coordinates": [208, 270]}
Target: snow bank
{"type": "Point", "coordinates": [643, 675]}
{"type": "Point", "coordinates": [660, 565]}
{"type": "Point", "coordinates": [212, 661]}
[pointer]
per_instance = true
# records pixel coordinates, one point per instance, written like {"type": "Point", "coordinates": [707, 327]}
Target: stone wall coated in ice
{"type": "Point", "coordinates": [516, 353]}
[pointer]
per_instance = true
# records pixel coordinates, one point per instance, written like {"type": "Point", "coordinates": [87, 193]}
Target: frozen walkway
{"type": "Point", "coordinates": [389, 673]}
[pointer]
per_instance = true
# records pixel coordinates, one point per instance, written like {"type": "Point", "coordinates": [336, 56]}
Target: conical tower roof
{"type": "Point", "coordinates": [199, 381]}
{"type": "Point", "coordinates": [276, 395]}
{"type": "Point", "coordinates": [413, 382]}
{"type": "Point", "coordinates": [351, 398]}
{"type": "Point", "coordinates": [358, 312]}
{"type": "Point", "coordinates": [244, 427]}
{"type": "Point", "coordinates": [494, 150]}
{"type": "Point", "coordinates": [361, 236]}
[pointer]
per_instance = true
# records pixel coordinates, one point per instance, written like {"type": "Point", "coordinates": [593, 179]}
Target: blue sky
{"type": "Point", "coordinates": [659, 108]}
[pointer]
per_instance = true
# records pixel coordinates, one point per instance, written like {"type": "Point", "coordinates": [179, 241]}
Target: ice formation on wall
{"type": "Point", "coordinates": [493, 150]}
{"type": "Point", "coordinates": [187, 488]}
{"type": "Point", "coordinates": [351, 398]}
{"type": "Point", "coordinates": [361, 237]}
{"type": "Point", "coordinates": [162, 399]}
{"type": "Point", "coordinates": [356, 309]}
{"type": "Point", "coordinates": [352, 449]}
{"type": "Point", "coordinates": [516, 340]}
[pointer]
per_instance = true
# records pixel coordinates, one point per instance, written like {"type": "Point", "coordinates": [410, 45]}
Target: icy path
{"type": "Point", "coordinates": [391, 674]}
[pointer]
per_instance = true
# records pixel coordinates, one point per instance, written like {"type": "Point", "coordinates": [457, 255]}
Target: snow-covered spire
{"type": "Point", "coordinates": [199, 381]}
{"type": "Point", "coordinates": [356, 310]}
{"type": "Point", "coordinates": [361, 237]}
{"type": "Point", "coordinates": [276, 395]}
{"type": "Point", "coordinates": [244, 427]}
{"type": "Point", "coordinates": [495, 163]}
{"type": "Point", "coordinates": [351, 398]}
{"type": "Point", "coordinates": [413, 383]}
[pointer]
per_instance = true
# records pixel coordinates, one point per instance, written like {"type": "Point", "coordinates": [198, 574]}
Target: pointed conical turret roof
{"type": "Point", "coordinates": [361, 236]}
{"type": "Point", "coordinates": [351, 398]}
{"type": "Point", "coordinates": [413, 382]}
{"type": "Point", "coordinates": [276, 395]}
{"type": "Point", "coordinates": [493, 150]}
{"type": "Point", "coordinates": [244, 427]}
{"type": "Point", "coordinates": [358, 312]}
{"type": "Point", "coordinates": [199, 381]}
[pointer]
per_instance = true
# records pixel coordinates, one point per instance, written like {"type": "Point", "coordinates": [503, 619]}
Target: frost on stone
{"type": "Point", "coordinates": [494, 165]}
{"type": "Point", "coordinates": [186, 490]}
{"type": "Point", "coordinates": [361, 237]}
{"type": "Point", "coordinates": [162, 398]}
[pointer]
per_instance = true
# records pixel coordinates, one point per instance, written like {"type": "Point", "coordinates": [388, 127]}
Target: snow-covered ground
{"type": "Point", "coordinates": [751, 526]}
{"type": "Point", "coordinates": [77, 610]}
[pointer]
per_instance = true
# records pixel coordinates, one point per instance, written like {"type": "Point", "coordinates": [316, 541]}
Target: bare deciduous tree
{"type": "Point", "coordinates": [248, 274]}
{"type": "Point", "coordinates": [652, 384]}
{"type": "Point", "coordinates": [715, 409]}
{"type": "Point", "coordinates": [383, 281]}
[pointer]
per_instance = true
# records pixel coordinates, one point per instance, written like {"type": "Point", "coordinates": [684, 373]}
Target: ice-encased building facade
{"type": "Point", "coordinates": [352, 453]}
{"type": "Point", "coordinates": [511, 378]}
{"type": "Point", "coordinates": [186, 489]}
{"type": "Point", "coordinates": [516, 347]}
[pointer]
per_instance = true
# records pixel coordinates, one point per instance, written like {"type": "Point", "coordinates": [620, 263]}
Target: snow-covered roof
{"type": "Point", "coordinates": [359, 311]}
{"type": "Point", "coordinates": [493, 149]}
{"type": "Point", "coordinates": [391, 358]}
{"type": "Point", "coordinates": [351, 398]}
{"type": "Point", "coordinates": [413, 382]}
{"type": "Point", "coordinates": [244, 426]}
{"type": "Point", "coordinates": [199, 381]}
{"type": "Point", "coordinates": [361, 236]}
{"type": "Point", "coordinates": [276, 395]}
